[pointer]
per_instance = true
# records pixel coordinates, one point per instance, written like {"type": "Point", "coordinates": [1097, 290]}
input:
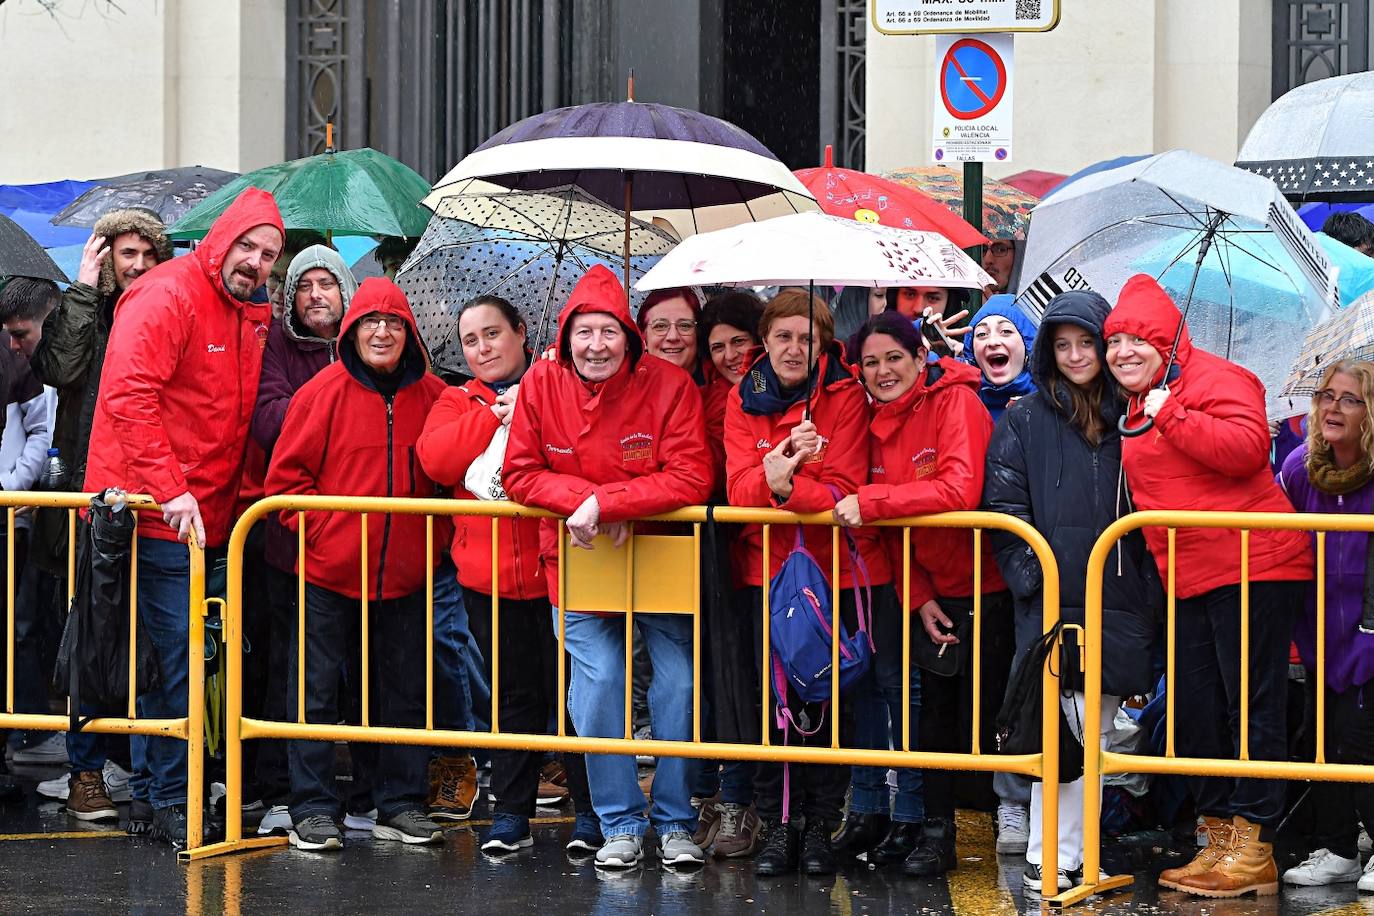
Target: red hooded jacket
{"type": "Point", "coordinates": [459, 429]}
{"type": "Point", "coordinates": [928, 452]}
{"type": "Point", "coordinates": [342, 436]}
{"type": "Point", "coordinates": [1208, 450]}
{"type": "Point", "coordinates": [637, 440]}
{"type": "Point", "coordinates": [840, 412]}
{"type": "Point", "coordinates": [180, 380]}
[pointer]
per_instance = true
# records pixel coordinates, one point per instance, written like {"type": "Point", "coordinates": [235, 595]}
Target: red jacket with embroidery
{"type": "Point", "coordinates": [637, 440]}
{"type": "Point", "coordinates": [459, 429]}
{"type": "Point", "coordinates": [1209, 450]}
{"type": "Point", "coordinates": [181, 378]}
{"type": "Point", "coordinates": [840, 412]}
{"type": "Point", "coordinates": [928, 452]}
{"type": "Point", "coordinates": [342, 436]}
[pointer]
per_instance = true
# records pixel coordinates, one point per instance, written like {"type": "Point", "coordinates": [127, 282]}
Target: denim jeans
{"type": "Point", "coordinates": [397, 681]}
{"type": "Point", "coordinates": [596, 699]}
{"type": "Point", "coordinates": [878, 718]}
{"type": "Point", "coordinates": [459, 681]}
{"type": "Point", "coordinates": [733, 779]}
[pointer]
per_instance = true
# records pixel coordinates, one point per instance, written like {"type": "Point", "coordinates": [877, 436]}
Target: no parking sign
{"type": "Point", "coordinates": [972, 104]}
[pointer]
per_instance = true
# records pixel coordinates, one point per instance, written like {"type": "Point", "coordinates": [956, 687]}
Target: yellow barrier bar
{"type": "Point", "coordinates": [1244, 644]}
{"type": "Point", "coordinates": [562, 629]}
{"type": "Point", "coordinates": [1321, 647]}
{"type": "Point", "coordinates": [364, 676]}
{"type": "Point", "coordinates": [629, 633]}
{"type": "Point", "coordinates": [9, 620]}
{"type": "Point", "coordinates": [835, 632]}
{"type": "Point", "coordinates": [496, 627]}
{"type": "Point", "coordinates": [1171, 664]}
{"type": "Point", "coordinates": [195, 695]}
{"type": "Point", "coordinates": [133, 625]}
{"type": "Point", "coordinates": [300, 614]}
{"type": "Point", "coordinates": [978, 654]}
{"type": "Point", "coordinates": [696, 633]}
{"type": "Point", "coordinates": [429, 624]}
{"type": "Point", "coordinates": [906, 639]}
{"type": "Point", "coordinates": [766, 663]}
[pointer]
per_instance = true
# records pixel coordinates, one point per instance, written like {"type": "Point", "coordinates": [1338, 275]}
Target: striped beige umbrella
{"type": "Point", "coordinates": [1349, 334]}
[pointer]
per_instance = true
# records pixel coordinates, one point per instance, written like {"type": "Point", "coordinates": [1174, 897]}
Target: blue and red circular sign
{"type": "Point", "coordinates": [973, 79]}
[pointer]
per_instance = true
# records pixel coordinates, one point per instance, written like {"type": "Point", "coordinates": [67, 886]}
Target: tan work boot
{"type": "Point", "coordinates": [1248, 867]}
{"type": "Point", "coordinates": [1218, 832]}
{"type": "Point", "coordinates": [452, 788]}
{"type": "Point", "coordinates": [88, 799]}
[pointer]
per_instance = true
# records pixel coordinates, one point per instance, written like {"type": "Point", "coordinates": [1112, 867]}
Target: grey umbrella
{"type": "Point", "coordinates": [21, 256]}
{"type": "Point", "coordinates": [169, 193]}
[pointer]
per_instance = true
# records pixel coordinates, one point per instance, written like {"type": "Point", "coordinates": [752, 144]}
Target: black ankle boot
{"type": "Point", "coordinates": [817, 857]}
{"type": "Point", "coordinates": [858, 834]}
{"type": "Point", "coordinates": [934, 852]}
{"type": "Point", "coordinates": [899, 843]}
{"type": "Point", "coordinates": [778, 854]}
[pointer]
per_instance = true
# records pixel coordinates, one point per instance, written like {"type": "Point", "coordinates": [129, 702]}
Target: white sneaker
{"type": "Point", "coordinates": [58, 787]}
{"type": "Point", "coordinates": [1013, 830]}
{"type": "Point", "coordinates": [1366, 845]}
{"type": "Point", "coordinates": [276, 821]}
{"type": "Point", "coordinates": [1323, 867]}
{"type": "Point", "coordinates": [364, 821]}
{"type": "Point", "coordinates": [1367, 879]}
{"type": "Point", "coordinates": [51, 750]}
{"type": "Point", "coordinates": [1030, 878]}
{"type": "Point", "coordinates": [116, 782]}
{"type": "Point", "coordinates": [644, 733]}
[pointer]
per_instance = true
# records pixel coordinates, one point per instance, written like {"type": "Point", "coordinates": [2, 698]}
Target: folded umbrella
{"type": "Point", "coordinates": [21, 256]}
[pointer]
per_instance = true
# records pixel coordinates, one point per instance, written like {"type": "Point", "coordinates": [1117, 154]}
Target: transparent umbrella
{"type": "Point", "coordinates": [1250, 278]}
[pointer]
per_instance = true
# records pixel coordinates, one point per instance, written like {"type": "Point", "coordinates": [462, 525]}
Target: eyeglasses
{"type": "Point", "coordinates": [1327, 397]}
{"type": "Point", "coordinates": [684, 326]}
{"type": "Point", "coordinates": [323, 286]}
{"type": "Point", "coordinates": [373, 322]}
{"type": "Point", "coordinates": [1001, 248]}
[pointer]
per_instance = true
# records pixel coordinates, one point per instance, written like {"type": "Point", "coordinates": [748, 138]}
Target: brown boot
{"type": "Point", "coordinates": [1218, 832]}
{"type": "Point", "coordinates": [88, 799]}
{"type": "Point", "coordinates": [1248, 867]}
{"type": "Point", "coordinates": [452, 788]}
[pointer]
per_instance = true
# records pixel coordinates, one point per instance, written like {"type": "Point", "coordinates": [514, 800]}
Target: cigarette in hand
{"type": "Point", "coordinates": [943, 647]}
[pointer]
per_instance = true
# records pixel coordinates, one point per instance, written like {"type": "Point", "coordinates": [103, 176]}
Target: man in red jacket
{"type": "Point", "coordinates": [352, 430]}
{"type": "Point", "coordinates": [176, 394]}
{"type": "Point", "coordinates": [604, 435]}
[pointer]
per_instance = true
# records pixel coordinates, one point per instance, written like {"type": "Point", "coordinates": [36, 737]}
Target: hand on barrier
{"type": "Point", "coordinates": [932, 618]}
{"type": "Point", "coordinates": [618, 532]}
{"type": "Point", "coordinates": [92, 256]}
{"type": "Point", "coordinates": [183, 514]}
{"type": "Point", "coordinates": [847, 511]}
{"type": "Point", "coordinates": [582, 524]}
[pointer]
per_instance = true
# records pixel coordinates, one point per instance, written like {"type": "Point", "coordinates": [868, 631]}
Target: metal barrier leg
{"type": "Point", "coordinates": [195, 703]}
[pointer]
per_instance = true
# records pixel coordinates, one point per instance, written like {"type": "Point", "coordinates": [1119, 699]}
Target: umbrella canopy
{"type": "Point", "coordinates": [1035, 182]}
{"type": "Point", "coordinates": [1349, 334]}
{"type": "Point", "coordinates": [169, 193]}
{"type": "Point", "coordinates": [1263, 282]}
{"type": "Point", "coordinates": [1006, 210]}
{"type": "Point", "coordinates": [531, 249]}
{"type": "Point", "coordinates": [46, 197]}
{"type": "Point", "coordinates": [21, 256]}
{"type": "Point", "coordinates": [1317, 141]}
{"type": "Point", "coordinates": [1316, 214]}
{"type": "Point", "coordinates": [354, 192]}
{"type": "Point", "coordinates": [1105, 165]}
{"type": "Point", "coordinates": [816, 248]}
{"type": "Point", "coordinates": [870, 199]}
{"type": "Point", "coordinates": [696, 171]}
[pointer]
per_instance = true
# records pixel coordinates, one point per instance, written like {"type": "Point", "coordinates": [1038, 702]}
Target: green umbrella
{"type": "Point", "coordinates": [354, 192]}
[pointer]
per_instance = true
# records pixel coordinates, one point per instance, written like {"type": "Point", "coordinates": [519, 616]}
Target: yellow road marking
{"type": "Point", "coordinates": [975, 887]}
{"type": "Point", "coordinates": [67, 835]}
{"type": "Point", "coordinates": [534, 822]}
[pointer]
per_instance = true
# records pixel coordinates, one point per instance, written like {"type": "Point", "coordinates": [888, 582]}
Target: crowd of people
{"type": "Point", "coordinates": [173, 377]}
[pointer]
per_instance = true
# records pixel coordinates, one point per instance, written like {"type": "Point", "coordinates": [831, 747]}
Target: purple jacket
{"type": "Point", "coordinates": [1349, 653]}
{"type": "Point", "coordinates": [290, 360]}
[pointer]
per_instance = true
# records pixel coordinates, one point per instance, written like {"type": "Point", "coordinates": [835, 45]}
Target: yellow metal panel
{"type": "Point", "coordinates": [655, 566]}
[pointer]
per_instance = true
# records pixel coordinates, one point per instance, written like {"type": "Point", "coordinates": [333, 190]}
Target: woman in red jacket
{"type": "Point", "coordinates": [459, 430]}
{"type": "Point", "coordinates": [930, 440]}
{"type": "Point", "coordinates": [351, 430]}
{"type": "Point", "coordinates": [603, 435]}
{"type": "Point", "coordinates": [777, 458]}
{"type": "Point", "coordinates": [1209, 450]}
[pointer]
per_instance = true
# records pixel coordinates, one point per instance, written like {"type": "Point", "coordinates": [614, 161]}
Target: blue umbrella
{"type": "Point", "coordinates": [40, 227]}
{"type": "Point", "coordinates": [1317, 213]}
{"type": "Point", "coordinates": [46, 197]}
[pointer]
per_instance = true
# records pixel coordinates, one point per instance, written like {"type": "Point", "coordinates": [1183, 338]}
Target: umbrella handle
{"type": "Point", "coordinates": [1131, 432]}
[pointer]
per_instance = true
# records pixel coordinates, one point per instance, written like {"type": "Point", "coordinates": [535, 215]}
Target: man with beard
{"type": "Point", "coordinates": [171, 420]}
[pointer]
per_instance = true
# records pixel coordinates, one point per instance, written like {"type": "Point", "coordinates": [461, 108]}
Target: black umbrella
{"type": "Point", "coordinates": [21, 256]}
{"type": "Point", "coordinates": [169, 193]}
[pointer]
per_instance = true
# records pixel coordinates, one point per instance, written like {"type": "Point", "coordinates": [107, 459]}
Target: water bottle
{"type": "Point", "coordinates": [55, 474]}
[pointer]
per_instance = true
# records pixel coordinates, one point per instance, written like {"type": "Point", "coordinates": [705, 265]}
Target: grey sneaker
{"type": "Point", "coordinates": [1013, 826]}
{"type": "Point", "coordinates": [677, 848]}
{"type": "Point", "coordinates": [624, 851]}
{"type": "Point", "coordinates": [315, 833]}
{"type": "Point", "coordinates": [411, 827]}
{"type": "Point", "coordinates": [275, 822]}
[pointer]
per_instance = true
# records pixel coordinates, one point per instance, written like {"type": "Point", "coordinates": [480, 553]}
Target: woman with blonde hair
{"type": "Point", "coordinates": [1333, 472]}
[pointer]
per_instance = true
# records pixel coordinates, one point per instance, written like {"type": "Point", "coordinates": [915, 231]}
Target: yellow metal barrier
{"type": "Point", "coordinates": [629, 580]}
{"type": "Point", "coordinates": [189, 729]}
{"type": "Point", "coordinates": [1098, 763]}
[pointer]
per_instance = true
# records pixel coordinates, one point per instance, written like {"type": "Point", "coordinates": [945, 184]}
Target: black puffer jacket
{"type": "Point", "coordinates": [1041, 469]}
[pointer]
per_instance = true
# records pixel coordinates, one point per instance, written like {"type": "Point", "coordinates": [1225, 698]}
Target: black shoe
{"type": "Point", "coordinates": [140, 818]}
{"type": "Point", "coordinates": [169, 825]}
{"type": "Point", "coordinates": [778, 854]}
{"type": "Point", "coordinates": [934, 852]}
{"type": "Point", "coordinates": [899, 843]}
{"type": "Point", "coordinates": [817, 857]}
{"type": "Point", "coordinates": [858, 834]}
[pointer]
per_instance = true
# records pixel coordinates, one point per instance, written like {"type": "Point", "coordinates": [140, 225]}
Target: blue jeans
{"type": "Point", "coordinates": [454, 684]}
{"type": "Point", "coordinates": [596, 700]}
{"type": "Point", "coordinates": [878, 718]}
{"type": "Point", "coordinates": [734, 779]}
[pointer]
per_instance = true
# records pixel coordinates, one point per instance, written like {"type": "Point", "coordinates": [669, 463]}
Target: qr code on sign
{"type": "Point", "coordinates": [1027, 9]}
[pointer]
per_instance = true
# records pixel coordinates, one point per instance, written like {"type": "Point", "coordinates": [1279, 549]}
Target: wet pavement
{"type": "Point", "coordinates": [50, 863]}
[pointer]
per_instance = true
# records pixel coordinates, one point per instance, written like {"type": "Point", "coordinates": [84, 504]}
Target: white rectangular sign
{"type": "Point", "coordinates": [916, 17]}
{"type": "Point", "coordinates": [972, 103]}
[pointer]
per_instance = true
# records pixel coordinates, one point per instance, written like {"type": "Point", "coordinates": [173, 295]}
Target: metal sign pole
{"type": "Point", "coordinates": [973, 214]}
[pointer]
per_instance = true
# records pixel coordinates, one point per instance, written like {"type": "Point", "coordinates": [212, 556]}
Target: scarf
{"type": "Point", "coordinates": [1334, 481]}
{"type": "Point", "coordinates": [762, 393]}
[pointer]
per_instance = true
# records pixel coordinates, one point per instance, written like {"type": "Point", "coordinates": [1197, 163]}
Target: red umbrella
{"type": "Point", "coordinates": [870, 199]}
{"type": "Point", "coordinates": [1035, 182]}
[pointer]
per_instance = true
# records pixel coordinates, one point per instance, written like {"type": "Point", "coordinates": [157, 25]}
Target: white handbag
{"type": "Point", "coordinates": [483, 479]}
